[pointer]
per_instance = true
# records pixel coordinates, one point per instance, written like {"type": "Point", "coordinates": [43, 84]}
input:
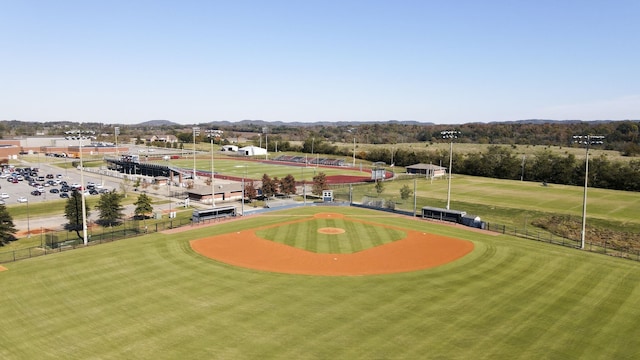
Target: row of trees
{"type": "Point", "coordinates": [286, 186]}
{"type": "Point", "coordinates": [502, 162]}
{"type": "Point", "coordinates": [110, 208]}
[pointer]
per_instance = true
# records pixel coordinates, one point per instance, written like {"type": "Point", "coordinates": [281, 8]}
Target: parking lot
{"type": "Point", "coordinates": [15, 192]}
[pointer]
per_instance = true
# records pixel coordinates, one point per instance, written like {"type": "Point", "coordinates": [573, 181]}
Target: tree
{"type": "Point", "coordinates": [73, 213]}
{"type": "Point", "coordinates": [405, 192]}
{"type": "Point", "coordinates": [379, 187]}
{"type": "Point", "coordinates": [250, 191]}
{"type": "Point", "coordinates": [319, 184]}
{"type": "Point", "coordinates": [7, 227]}
{"type": "Point", "coordinates": [111, 211]}
{"type": "Point", "coordinates": [124, 186]}
{"type": "Point", "coordinates": [136, 184]}
{"type": "Point", "coordinates": [288, 185]}
{"type": "Point", "coordinates": [269, 186]}
{"type": "Point", "coordinates": [143, 206]}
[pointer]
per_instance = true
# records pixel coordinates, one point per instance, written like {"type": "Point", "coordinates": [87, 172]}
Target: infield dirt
{"type": "Point", "coordinates": [417, 251]}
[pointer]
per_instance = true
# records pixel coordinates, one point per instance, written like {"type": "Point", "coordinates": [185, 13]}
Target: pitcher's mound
{"type": "Point", "coordinates": [330, 231]}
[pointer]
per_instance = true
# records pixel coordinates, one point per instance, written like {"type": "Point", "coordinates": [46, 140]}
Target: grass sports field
{"type": "Point", "coordinates": [154, 297]}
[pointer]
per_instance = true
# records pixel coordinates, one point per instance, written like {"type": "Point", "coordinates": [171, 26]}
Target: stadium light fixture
{"type": "Point", "coordinates": [587, 141]}
{"type": "Point", "coordinates": [450, 135]}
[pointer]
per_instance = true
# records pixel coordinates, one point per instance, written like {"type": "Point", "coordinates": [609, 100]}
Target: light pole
{"type": "Point", "coordinates": [196, 132]}
{"type": "Point", "coordinates": [586, 140]}
{"type": "Point", "coordinates": [116, 131]}
{"type": "Point", "coordinates": [84, 207]}
{"type": "Point", "coordinates": [28, 227]}
{"type": "Point", "coordinates": [304, 186]}
{"type": "Point", "coordinates": [213, 176]}
{"type": "Point", "coordinates": [450, 134]}
{"type": "Point", "coordinates": [243, 187]}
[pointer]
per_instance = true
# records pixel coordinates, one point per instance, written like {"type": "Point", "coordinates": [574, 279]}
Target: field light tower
{"type": "Point", "coordinates": [213, 178]}
{"type": "Point", "coordinates": [450, 134]}
{"type": "Point", "coordinates": [196, 132]}
{"type": "Point", "coordinates": [586, 140]}
{"type": "Point", "coordinates": [82, 191]}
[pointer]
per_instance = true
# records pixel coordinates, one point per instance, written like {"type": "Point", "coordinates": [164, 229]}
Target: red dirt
{"type": "Point", "coordinates": [2, 268]}
{"type": "Point", "coordinates": [24, 233]}
{"type": "Point", "coordinates": [417, 251]}
{"type": "Point", "coordinates": [330, 231]}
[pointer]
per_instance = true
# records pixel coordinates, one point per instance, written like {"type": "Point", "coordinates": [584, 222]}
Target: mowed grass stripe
{"type": "Point", "coordinates": [153, 297]}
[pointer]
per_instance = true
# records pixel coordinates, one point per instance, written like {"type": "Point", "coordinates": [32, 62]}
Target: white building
{"type": "Point", "coordinates": [230, 148]}
{"type": "Point", "coordinates": [252, 151]}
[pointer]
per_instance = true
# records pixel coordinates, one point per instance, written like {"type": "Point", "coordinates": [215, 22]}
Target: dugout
{"type": "Point", "coordinates": [435, 213]}
{"type": "Point", "coordinates": [215, 213]}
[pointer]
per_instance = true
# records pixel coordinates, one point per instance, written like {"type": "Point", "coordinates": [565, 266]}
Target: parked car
{"type": "Point", "coordinates": [4, 195]}
{"type": "Point", "coordinates": [64, 195]}
{"type": "Point", "coordinates": [22, 199]}
{"type": "Point", "coordinates": [54, 191]}
{"type": "Point", "coordinates": [36, 193]}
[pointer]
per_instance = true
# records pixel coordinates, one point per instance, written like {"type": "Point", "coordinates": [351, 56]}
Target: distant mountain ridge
{"type": "Point", "coordinates": [154, 123]}
{"type": "Point", "coordinates": [249, 122]}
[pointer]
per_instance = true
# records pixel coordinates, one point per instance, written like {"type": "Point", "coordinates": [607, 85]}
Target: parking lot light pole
{"type": "Point", "coordinates": [586, 140]}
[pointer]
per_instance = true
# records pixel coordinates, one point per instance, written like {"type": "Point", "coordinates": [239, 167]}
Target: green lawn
{"type": "Point", "coordinates": [510, 202]}
{"type": "Point", "coordinates": [254, 169]}
{"type": "Point", "coordinates": [152, 297]}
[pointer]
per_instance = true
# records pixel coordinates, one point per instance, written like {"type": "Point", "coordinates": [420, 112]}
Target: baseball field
{"type": "Point", "coordinates": [168, 296]}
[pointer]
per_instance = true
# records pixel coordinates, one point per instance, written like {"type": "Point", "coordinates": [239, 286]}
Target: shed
{"type": "Point", "coordinates": [429, 170]}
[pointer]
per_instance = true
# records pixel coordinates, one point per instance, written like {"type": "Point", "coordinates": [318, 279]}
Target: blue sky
{"type": "Point", "coordinates": [444, 62]}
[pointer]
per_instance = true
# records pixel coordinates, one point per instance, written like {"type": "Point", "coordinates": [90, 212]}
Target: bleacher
{"type": "Point", "coordinates": [313, 161]}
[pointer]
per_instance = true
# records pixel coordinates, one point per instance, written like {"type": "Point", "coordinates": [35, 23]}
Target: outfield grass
{"type": "Point", "coordinates": [152, 297]}
{"type": "Point", "coordinates": [511, 202]}
{"type": "Point", "coordinates": [238, 167]}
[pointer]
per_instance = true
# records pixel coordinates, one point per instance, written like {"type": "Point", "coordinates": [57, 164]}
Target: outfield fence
{"type": "Point", "coordinates": [62, 241]}
{"type": "Point", "coordinates": [54, 242]}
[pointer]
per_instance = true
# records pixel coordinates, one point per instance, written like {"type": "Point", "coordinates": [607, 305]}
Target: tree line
{"type": "Point", "coordinates": [501, 162]}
